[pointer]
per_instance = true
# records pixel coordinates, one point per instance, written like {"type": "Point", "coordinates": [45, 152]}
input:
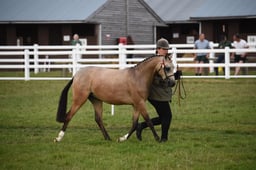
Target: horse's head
{"type": "Point", "coordinates": [166, 69]}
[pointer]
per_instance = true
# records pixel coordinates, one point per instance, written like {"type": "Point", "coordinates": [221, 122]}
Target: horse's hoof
{"type": "Point", "coordinates": [120, 140]}
{"type": "Point", "coordinates": [60, 136]}
{"type": "Point", "coordinates": [123, 138]}
{"type": "Point", "coordinates": [56, 140]}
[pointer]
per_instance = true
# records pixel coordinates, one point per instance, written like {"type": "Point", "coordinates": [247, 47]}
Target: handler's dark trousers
{"type": "Point", "coordinates": [163, 109]}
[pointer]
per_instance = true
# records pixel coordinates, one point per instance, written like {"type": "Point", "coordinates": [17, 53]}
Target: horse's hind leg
{"type": "Point", "coordinates": [98, 109]}
{"type": "Point", "coordinates": [74, 108]}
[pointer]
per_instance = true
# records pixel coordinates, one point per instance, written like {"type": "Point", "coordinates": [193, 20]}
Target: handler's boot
{"type": "Point", "coordinates": [163, 140]}
{"type": "Point", "coordinates": [138, 131]}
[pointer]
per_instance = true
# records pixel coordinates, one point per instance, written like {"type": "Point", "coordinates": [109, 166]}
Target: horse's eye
{"type": "Point", "coordinates": [167, 69]}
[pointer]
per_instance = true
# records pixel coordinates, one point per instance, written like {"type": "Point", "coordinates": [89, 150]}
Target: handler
{"type": "Point", "coordinates": [160, 95]}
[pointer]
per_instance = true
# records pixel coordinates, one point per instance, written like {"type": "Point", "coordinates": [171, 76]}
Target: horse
{"type": "Point", "coordinates": [128, 86]}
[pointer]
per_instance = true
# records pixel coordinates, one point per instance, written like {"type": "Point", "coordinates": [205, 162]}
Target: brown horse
{"type": "Point", "coordinates": [126, 86]}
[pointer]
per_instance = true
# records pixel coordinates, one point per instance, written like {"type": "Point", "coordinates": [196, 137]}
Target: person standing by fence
{"type": "Point", "coordinates": [221, 57]}
{"type": "Point", "coordinates": [239, 57]}
{"type": "Point", "coordinates": [75, 41]}
{"type": "Point", "coordinates": [200, 58]}
{"type": "Point", "coordinates": [159, 96]}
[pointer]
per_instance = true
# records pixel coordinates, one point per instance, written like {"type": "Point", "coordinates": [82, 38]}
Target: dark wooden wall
{"type": "Point", "coordinates": [120, 18]}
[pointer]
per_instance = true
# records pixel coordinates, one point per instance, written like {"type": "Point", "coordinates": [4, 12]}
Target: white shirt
{"type": "Point", "coordinates": [240, 45]}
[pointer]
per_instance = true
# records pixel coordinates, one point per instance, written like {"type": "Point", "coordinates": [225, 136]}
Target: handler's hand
{"type": "Point", "coordinates": [177, 74]}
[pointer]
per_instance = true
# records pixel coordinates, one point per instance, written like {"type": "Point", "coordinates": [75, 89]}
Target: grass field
{"type": "Point", "coordinates": [214, 128]}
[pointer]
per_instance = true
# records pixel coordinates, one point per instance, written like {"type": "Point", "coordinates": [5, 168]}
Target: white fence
{"type": "Point", "coordinates": [41, 58]}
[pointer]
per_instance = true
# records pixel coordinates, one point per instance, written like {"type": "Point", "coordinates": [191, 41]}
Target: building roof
{"type": "Point", "coordinates": [174, 11]}
{"type": "Point", "coordinates": [40, 11]}
{"type": "Point", "coordinates": [225, 9]}
{"type": "Point", "coordinates": [79, 11]}
{"type": "Point", "coordinates": [184, 11]}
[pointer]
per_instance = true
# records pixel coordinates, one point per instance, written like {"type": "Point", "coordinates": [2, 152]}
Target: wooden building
{"type": "Point", "coordinates": [187, 18]}
{"type": "Point", "coordinates": [47, 22]}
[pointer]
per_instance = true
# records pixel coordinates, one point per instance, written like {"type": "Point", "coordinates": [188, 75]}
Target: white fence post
{"type": "Point", "coordinates": [174, 58]}
{"type": "Point", "coordinates": [122, 63]}
{"type": "Point", "coordinates": [26, 64]}
{"type": "Point", "coordinates": [36, 58]}
{"type": "Point", "coordinates": [74, 60]}
{"type": "Point", "coordinates": [122, 56]}
{"type": "Point", "coordinates": [112, 110]}
{"type": "Point", "coordinates": [211, 57]}
{"type": "Point", "coordinates": [227, 63]}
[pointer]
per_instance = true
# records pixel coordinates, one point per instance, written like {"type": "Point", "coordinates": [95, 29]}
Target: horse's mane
{"type": "Point", "coordinates": [146, 59]}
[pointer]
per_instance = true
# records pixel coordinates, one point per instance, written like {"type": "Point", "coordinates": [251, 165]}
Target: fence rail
{"type": "Point", "coordinates": [39, 58]}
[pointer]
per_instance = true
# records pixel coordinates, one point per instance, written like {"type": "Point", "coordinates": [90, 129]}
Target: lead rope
{"type": "Point", "coordinates": [180, 87]}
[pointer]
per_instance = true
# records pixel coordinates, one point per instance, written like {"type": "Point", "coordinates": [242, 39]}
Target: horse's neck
{"type": "Point", "coordinates": [147, 69]}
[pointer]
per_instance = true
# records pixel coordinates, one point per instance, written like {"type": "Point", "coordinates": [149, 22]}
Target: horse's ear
{"type": "Point", "coordinates": [169, 57]}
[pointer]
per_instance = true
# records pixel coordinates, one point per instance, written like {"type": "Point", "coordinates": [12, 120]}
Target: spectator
{"type": "Point", "coordinates": [221, 57]}
{"type": "Point", "coordinates": [76, 40]}
{"type": "Point", "coordinates": [201, 43]}
{"type": "Point", "coordinates": [239, 57]}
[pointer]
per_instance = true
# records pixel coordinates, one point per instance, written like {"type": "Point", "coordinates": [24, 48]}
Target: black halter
{"type": "Point", "coordinates": [166, 69]}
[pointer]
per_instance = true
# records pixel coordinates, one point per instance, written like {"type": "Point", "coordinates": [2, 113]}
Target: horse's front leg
{"type": "Point", "coordinates": [98, 119]}
{"type": "Point", "coordinates": [146, 117]}
{"type": "Point", "coordinates": [98, 109]}
{"type": "Point", "coordinates": [133, 128]}
{"type": "Point", "coordinates": [150, 125]}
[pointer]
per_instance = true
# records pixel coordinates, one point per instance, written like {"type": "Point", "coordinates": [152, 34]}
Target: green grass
{"type": "Point", "coordinates": [214, 128]}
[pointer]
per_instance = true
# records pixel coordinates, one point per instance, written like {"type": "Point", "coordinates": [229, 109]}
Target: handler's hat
{"type": "Point", "coordinates": [162, 43]}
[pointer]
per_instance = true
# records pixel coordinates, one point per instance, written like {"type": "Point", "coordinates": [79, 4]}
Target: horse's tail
{"type": "Point", "coordinates": [61, 114]}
